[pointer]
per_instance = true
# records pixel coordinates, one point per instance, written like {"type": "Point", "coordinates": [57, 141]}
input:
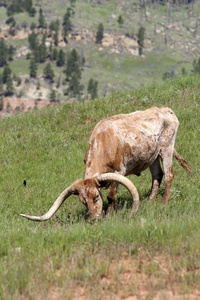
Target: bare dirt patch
{"type": "Point", "coordinates": [133, 278]}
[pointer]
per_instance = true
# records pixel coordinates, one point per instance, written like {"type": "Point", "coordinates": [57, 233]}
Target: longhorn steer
{"type": "Point", "coordinates": [122, 145]}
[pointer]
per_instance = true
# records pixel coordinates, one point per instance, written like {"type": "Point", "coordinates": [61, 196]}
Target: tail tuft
{"type": "Point", "coordinates": [183, 162]}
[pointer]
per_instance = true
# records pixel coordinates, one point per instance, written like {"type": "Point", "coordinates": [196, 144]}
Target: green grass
{"type": "Point", "coordinates": [46, 148]}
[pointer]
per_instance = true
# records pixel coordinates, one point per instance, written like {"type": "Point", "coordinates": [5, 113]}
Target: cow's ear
{"type": "Point", "coordinates": [97, 183]}
{"type": "Point", "coordinates": [77, 186]}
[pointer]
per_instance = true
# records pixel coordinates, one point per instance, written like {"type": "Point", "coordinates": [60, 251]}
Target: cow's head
{"type": "Point", "coordinates": [89, 194]}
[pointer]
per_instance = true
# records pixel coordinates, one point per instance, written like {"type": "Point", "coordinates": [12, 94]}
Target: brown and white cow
{"type": "Point", "coordinates": [122, 145]}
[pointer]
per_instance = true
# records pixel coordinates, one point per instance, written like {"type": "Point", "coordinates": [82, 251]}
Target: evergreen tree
{"type": "Point", "coordinates": [1, 92]}
{"type": "Point", "coordinates": [11, 52]}
{"type": "Point", "coordinates": [24, 25]}
{"type": "Point", "coordinates": [67, 26]}
{"type": "Point", "coordinates": [72, 2]}
{"type": "Point", "coordinates": [55, 38]}
{"type": "Point", "coordinates": [168, 75]}
{"type": "Point", "coordinates": [141, 39]}
{"type": "Point", "coordinates": [75, 87]}
{"type": "Point", "coordinates": [40, 51]}
{"type": "Point", "coordinates": [52, 96]}
{"type": "Point", "coordinates": [1, 101]}
{"type": "Point", "coordinates": [49, 73]}
{"type": "Point", "coordinates": [28, 5]}
{"type": "Point", "coordinates": [14, 8]}
{"type": "Point", "coordinates": [54, 54]}
{"type": "Point", "coordinates": [120, 20]}
{"type": "Point", "coordinates": [3, 53]}
{"type": "Point", "coordinates": [54, 25]}
{"type": "Point", "coordinates": [41, 19]}
{"type": "Point", "coordinates": [32, 12]}
{"type": "Point", "coordinates": [33, 68]}
{"type": "Point", "coordinates": [72, 64]}
{"type": "Point", "coordinates": [6, 74]}
{"type": "Point", "coordinates": [61, 58]}
{"type": "Point", "coordinates": [11, 21]}
{"type": "Point", "coordinates": [9, 87]}
{"type": "Point", "coordinates": [33, 26]}
{"type": "Point", "coordinates": [183, 71]}
{"type": "Point", "coordinates": [32, 39]}
{"type": "Point", "coordinates": [196, 66]}
{"type": "Point", "coordinates": [99, 34]}
{"type": "Point", "coordinates": [92, 88]}
{"type": "Point", "coordinates": [73, 74]}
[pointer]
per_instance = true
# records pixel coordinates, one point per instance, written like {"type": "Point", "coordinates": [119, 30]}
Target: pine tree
{"type": "Point", "coordinates": [99, 35]}
{"type": "Point", "coordinates": [41, 19]}
{"type": "Point", "coordinates": [1, 90]}
{"type": "Point", "coordinates": [72, 64]}
{"type": "Point", "coordinates": [52, 96]}
{"type": "Point", "coordinates": [92, 88]}
{"type": "Point", "coordinates": [61, 58]}
{"type": "Point", "coordinates": [13, 8]}
{"type": "Point", "coordinates": [28, 5]}
{"type": "Point", "coordinates": [40, 51]}
{"type": "Point", "coordinates": [3, 53]}
{"type": "Point", "coordinates": [49, 72]}
{"type": "Point", "coordinates": [1, 103]}
{"type": "Point", "coordinates": [73, 74]}
{"type": "Point", "coordinates": [53, 53]}
{"type": "Point", "coordinates": [72, 2]}
{"type": "Point", "coordinates": [75, 87]}
{"type": "Point", "coordinates": [33, 26]}
{"type": "Point", "coordinates": [120, 20]}
{"type": "Point", "coordinates": [32, 39]}
{"type": "Point", "coordinates": [11, 52]}
{"type": "Point", "coordinates": [67, 26]}
{"type": "Point", "coordinates": [196, 66]}
{"type": "Point", "coordinates": [54, 26]}
{"type": "Point", "coordinates": [33, 68]}
{"type": "Point", "coordinates": [141, 39]}
{"type": "Point", "coordinates": [9, 87]}
{"type": "Point", "coordinates": [6, 74]}
{"type": "Point", "coordinates": [32, 12]}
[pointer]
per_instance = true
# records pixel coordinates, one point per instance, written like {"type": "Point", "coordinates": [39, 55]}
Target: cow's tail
{"type": "Point", "coordinates": [183, 162]}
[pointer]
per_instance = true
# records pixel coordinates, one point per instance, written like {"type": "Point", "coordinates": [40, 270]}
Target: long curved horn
{"type": "Point", "coordinates": [114, 177]}
{"type": "Point", "coordinates": [63, 196]}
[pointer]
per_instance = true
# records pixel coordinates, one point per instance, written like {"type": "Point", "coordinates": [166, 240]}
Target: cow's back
{"type": "Point", "coordinates": [129, 143]}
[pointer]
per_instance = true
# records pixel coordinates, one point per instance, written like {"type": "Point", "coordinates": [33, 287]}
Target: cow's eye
{"type": "Point", "coordinates": [96, 199]}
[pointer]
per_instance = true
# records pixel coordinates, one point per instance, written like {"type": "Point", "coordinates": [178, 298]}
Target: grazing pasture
{"type": "Point", "coordinates": [155, 253]}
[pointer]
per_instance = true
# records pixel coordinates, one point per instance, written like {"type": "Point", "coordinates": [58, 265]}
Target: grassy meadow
{"type": "Point", "coordinates": [158, 251]}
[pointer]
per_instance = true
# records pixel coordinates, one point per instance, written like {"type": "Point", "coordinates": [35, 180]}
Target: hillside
{"type": "Point", "coordinates": [155, 255]}
{"type": "Point", "coordinates": [171, 44]}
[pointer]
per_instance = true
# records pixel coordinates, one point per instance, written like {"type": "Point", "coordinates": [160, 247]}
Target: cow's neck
{"type": "Point", "coordinates": [93, 169]}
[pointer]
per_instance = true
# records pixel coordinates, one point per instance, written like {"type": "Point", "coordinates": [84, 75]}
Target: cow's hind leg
{"type": "Point", "coordinates": [157, 175]}
{"type": "Point", "coordinates": [167, 157]}
{"type": "Point", "coordinates": [111, 197]}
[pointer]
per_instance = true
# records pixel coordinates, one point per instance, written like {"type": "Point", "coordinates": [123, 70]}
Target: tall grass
{"type": "Point", "coordinates": [46, 148]}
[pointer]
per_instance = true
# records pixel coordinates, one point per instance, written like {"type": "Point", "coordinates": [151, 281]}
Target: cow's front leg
{"type": "Point", "coordinates": [157, 175]}
{"type": "Point", "coordinates": [169, 175]}
{"type": "Point", "coordinates": [111, 198]}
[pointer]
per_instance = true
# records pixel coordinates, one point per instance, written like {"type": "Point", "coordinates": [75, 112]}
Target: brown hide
{"type": "Point", "coordinates": [128, 144]}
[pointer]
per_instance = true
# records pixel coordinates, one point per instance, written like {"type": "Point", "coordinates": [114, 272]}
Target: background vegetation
{"type": "Point", "coordinates": [65, 257]}
{"type": "Point", "coordinates": [119, 44]}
